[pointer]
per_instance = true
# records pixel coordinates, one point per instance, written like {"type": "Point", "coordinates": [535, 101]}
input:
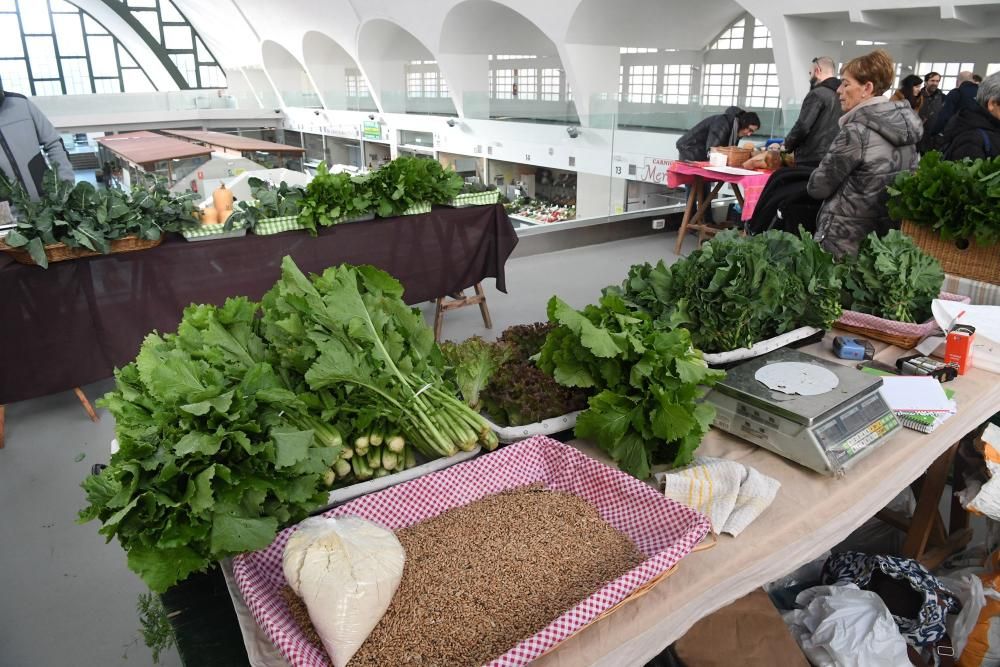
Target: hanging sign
{"type": "Point", "coordinates": [372, 129]}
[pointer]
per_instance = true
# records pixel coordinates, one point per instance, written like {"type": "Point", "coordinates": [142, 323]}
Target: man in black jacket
{"type": "Point", "coordinates": [975, 132]}
{"type": "Point", "coordinates": [963, 97]}
{"type": "Point", "coordinates": [817, 125]}
{"type": "Point", "coordinates": [725, 129]}
{"type": "Point", "coordinates": [933, 100]}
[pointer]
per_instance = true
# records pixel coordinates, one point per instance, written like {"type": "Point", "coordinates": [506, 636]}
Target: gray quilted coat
{"type": "Point", "coordinates": [877, 140]}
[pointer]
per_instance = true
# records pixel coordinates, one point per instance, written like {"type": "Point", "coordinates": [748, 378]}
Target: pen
{"type": "Point", "coordinates": [955, 320]}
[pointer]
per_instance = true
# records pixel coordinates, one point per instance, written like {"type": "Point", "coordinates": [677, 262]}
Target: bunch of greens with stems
{"type": "Point", "coordinates": [407, 181]}
{"type": "Point", "coordinates": [648, 382]}
{"type": "Point", "coordinates": [348, 331]}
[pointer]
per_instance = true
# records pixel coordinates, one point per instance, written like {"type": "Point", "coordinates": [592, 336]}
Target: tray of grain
{"type": "Point", "coordinates": [476, 604]}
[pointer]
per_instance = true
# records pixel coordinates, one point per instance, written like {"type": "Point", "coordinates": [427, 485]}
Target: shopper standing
{"type": "Point", "coordinates": [963, 97]}
{"type": "Point", "coordinates": [909, 90]}
{"type": "Point", "coordinates": [877, 140]}
{"type": "Point", "coordinates": [975, 133]}
{"type": "Point", "coordinates": [23, 129]}
{"type": "Point", "coordinates": [817, 125]}
{"type": "Point", "coordinates": [932, 101]}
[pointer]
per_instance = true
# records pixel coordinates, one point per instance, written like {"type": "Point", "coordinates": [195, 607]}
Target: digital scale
{"type": "Point", "coordinates": [817, 413]}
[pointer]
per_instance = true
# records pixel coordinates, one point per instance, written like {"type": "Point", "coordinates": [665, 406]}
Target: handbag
{"type": "Point", "coordinates": [917, 600]}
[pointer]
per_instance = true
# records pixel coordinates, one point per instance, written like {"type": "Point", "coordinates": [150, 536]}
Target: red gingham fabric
{"type": "Point", "coordinates": [662, 529]}
{"type": "Point", "coordinates": [855, 319]}
{"type": "Point", "coordinates": [681, 173]}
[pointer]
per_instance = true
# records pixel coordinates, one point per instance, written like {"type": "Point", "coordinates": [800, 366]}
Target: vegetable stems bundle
{"type": "Point", "coordinates": [350, 331]}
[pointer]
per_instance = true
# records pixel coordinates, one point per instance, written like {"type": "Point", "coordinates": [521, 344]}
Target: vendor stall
{"type": "Point", "coordinates": [74, 322]}
{"type": "Point", "coordinates": [268, 153]}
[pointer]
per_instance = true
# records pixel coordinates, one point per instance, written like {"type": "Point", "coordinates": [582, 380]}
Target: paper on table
{"type": "Point", "coordinates": [986, 319]}
{"type": "Point", "coordinates": [735, 171]}
{"type": "Point", "coordinates": [914, 393]}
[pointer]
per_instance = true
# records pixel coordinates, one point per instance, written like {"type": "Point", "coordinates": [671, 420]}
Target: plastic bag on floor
{"type": "Point", "coordinates": [975, 631]}
{"type": "Point", "coordinates": [843, 626]}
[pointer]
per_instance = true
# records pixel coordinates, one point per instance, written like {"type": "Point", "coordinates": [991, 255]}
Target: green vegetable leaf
{"type": "Point", "coordinates": [291, 446]}
{"type": "Point", "coordinates": [232, 534]}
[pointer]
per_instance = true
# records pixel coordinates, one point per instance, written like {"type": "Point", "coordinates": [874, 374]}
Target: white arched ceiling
{"type": "Point", "coordinates": [677, 24]}
{"type": "Point", "coordinates": [123, 32]}
{"type": "Point", "coordinates": [474, 29]}
{"type": "Point", "coordinates": [328, 63]}
{"type": "Point", "coordinates": [224, 30]}
{"type": "Point", "coordinates": [384, 49]}
{"type": "Point", "coordinates": [262, 86]}
{"type": "Point", "coordinates": [288, 76]}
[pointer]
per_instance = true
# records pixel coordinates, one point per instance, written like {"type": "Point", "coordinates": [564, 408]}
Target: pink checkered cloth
{"type": "Point", "coordinates": [683, 173]}
{"type": "Point", "coordinates": [853, 318]}
{"type": "Point", "coordinates": [662, 529]}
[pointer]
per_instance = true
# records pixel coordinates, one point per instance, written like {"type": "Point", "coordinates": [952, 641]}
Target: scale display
{"type": "Point", "coordinates": [819, 414]}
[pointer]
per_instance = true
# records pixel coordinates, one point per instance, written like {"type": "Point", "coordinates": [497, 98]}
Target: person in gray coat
{"type": "Point", "coordinates": [23, 129]}
{"type": "Point", "coordinates": [725, 129]}
{"type": "Point", "coordinates": [817, 125]}
{"type": "Point", "coordinates": [877, 140]}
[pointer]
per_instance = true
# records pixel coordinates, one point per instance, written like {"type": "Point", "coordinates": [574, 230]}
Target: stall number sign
{"type": "Point", "coordinates": [654, 170]}
{"type": "Point", "coordinates": [372, 130]}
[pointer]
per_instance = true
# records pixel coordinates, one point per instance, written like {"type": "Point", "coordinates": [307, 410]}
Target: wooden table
{"type": "Point", "coordinates": [810, 514]}
{"type": "Point", "coordinates": [697, 175]}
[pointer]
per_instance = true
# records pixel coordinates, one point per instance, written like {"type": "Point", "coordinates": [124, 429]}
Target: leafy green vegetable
{"type": "Point", "coordinates": [892, 278]}
{"type": "Point", "coordinates": [520, 393]}
{"type": "Point", "coordinates": [958, 199]}
{"type": "Point", "coordinates": [212, 459]}
{"type": "Point", "coordinates": [266, 202]}
{"type": "Point", "coordinates": [408, 181]}
{"type": "Point", "coordinates": [736, 291]}
{"type": "Point", "coordinates": [526, 340]}
{"type": "Point", "coordinates": [334, 198]}
{"type": "Point", "coordinates": [649, 382]}
{"type": "Point", "coordinates": [474, 362]}
{"type": "Point", "coordinates": [348, 331]}
{"type": "Point", "coordinates": [82, 216]}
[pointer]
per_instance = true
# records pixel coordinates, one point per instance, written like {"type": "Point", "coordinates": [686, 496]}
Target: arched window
{"type": "Point", "coordinates": [52, 47]}
{"type": "Point", "coordinates": [746, 74]}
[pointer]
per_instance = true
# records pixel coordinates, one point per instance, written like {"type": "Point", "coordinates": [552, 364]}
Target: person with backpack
{"type": "Point", "coordinates": [975, 132]}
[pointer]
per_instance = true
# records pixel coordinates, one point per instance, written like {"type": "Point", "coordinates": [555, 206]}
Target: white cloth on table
{"type": "Point", "coordinates": [730, 494]}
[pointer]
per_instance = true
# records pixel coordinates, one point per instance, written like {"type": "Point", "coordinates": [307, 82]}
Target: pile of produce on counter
{"type": "Point", "coordinates": [240, 422]}
{"type": "Point", "coordinates": [735, 291]}
{"type": "Point", "coordinates": [501, 379]}
{"type": "Point", "coordinates": [478, 578]}
{"type": "Point", "coordinates": [540, 210]}
{"type": "Point", "coordinates": [82, 216]}
{"type": "Point", "coordinates": [330, 199]}
{"type": "Point", "coordinates": [958, 199]}
{"type": "Point", "coordinates": [892, 278]}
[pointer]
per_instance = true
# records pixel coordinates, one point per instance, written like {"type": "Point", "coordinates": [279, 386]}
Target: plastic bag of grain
{"type": "Point", "coordinates": [346, 571]}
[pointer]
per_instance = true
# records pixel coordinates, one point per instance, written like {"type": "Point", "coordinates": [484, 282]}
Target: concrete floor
{"type": "Point", "coordinates": [68, 598]}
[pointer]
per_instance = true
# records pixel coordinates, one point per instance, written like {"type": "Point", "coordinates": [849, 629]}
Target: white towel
{"type": "Point", "coordinates": [730, 494]}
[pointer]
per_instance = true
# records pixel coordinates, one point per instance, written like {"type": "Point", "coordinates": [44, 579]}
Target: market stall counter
{"type": "Point", "coordinates": [72, 323]}
{"type": "Point", "coordinates": [811, 514]}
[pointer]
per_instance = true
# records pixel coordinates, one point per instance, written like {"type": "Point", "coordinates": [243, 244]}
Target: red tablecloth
{"type": "Point", "coordinates": [684, 173]}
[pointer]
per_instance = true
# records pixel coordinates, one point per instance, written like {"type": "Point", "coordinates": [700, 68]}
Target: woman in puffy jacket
{"type": "Point", "coordinates": [877, 140]}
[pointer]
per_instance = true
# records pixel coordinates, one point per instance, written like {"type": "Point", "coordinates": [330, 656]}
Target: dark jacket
{"type": "Point", "coordinates": [972, 133]}
{"type": "Point", "coordinates": [963, 97]}
{"type": "Point", "coordinates": [929, 110]}
{"type": "Point", "coordinates": [877, 140]}
{"type": "Point", "coordinates": [713, 131]}
{"type": "Point", "coordinates": [817, 126]}
{"type": "Point", "coordinates": [23, 128]}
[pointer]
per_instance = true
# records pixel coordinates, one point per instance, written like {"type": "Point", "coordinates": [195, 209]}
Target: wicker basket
{"type": "Point", "coordinates": [901, 334]}
{"type": "Point", "coordinates": [59, 252]}
{"type": "Point", "coordinates": [975, 262]}
{"type": "Point", "coordinates": [735, 156]}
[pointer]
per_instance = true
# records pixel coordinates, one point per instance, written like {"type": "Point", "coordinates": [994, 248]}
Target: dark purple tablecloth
{"type": "Point", "coordinates": [73, 323]}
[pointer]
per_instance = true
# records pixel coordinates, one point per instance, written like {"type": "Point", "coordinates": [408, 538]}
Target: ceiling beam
{"type": "Point", "coordinates": [960, 14]}
{"type": "Point", "coordinates": [866, 18]}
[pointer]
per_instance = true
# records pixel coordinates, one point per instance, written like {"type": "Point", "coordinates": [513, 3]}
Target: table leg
{"type": "Point", "coordinates": [737, 193]}
{"type": "Point", "coordinates": [438, 317]}
{"type": "Point", "coordinates": [1, 425]}
{"type": "Point", "coordinates": [704, 207]}
{"type": "Point", "coordinates": [692, 198]}
{"type": "Point", "coordinates": [483, 308]}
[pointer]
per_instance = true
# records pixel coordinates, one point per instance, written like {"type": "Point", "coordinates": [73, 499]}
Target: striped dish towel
{"type": "Point", "coordinates": [287, 223]}
{"type": "Point", "coordinates": [730, 494]}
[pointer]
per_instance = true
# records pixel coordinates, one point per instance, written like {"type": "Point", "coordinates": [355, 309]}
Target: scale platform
{"type": "Point", "coordinates": [822, 415]}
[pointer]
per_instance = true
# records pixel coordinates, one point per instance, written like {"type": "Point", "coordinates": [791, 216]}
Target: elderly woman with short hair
{"type": "Point", "coordinates": [975, 132]}
{"type": "Point", "coordinates": [877, 140]}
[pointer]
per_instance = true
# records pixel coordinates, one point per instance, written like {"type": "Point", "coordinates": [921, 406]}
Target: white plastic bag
{"type": "Point", "coordinates": [842, 626]}
{"type": "Point", "coordinates": [346, 570]}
